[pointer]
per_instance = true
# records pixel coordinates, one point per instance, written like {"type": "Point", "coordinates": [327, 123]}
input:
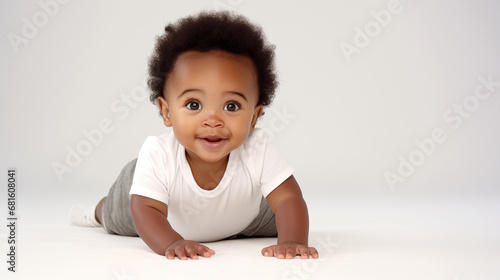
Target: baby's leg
{"type": "Point", "coordinates": [83, 215]}
{"type": "Point", "coordinates": [264, 225]}
{"type": "Point", "coordinates": [98, 210]}
{"type": "Point", "coordinates": [113, 211]}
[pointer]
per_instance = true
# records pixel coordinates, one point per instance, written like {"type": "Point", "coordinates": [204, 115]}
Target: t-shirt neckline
{"type": "Point", "coordinates": [191, 182]}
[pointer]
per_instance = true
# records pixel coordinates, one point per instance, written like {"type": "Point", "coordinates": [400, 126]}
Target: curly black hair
{"type": "Point", "coordinates": [208, 31]}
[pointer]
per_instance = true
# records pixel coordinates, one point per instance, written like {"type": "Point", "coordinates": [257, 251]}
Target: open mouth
{"type": "Point", "coordinates": [213, 139]}
{"type": "Point", "coordinates": [213, 142]}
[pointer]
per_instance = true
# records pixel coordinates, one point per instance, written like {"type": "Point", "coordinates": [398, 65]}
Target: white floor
{"type": "Point", "coordinates": [358, 239]}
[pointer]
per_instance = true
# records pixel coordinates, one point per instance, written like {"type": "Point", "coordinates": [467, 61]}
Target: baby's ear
{"type": "Point", "coordinates": [257, 112]}
{"type": "Point", "coordinates": [163, 105]}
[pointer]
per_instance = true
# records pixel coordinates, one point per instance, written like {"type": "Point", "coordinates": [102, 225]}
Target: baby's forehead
{"type": "Point", "coordinates": [194, 62]}
{"type": "Point", "coordinates": [190, 55]}
{"type": "Point", "coordinates": [192, 69]}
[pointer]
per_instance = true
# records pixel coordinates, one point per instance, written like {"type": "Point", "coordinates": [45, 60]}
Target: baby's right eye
{"type": "Point", "coordinates": [193, 105]}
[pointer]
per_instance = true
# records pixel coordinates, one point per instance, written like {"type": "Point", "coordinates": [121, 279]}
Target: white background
{"type": "Point", "coordinates": [350, 118]}
{"type": "Point", "coordinates": [348, 123]}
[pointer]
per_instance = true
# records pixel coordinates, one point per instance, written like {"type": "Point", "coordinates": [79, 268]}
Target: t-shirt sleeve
{"type": "Point", "coordinates": [271, 165]}
{"type": "Point", "coordinates": [150, 178]}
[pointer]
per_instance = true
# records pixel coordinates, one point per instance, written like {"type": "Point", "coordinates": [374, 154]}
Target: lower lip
{"type": "Point", "coordinates": [213, 145]}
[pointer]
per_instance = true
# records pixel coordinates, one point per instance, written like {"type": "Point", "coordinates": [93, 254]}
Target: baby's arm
{"type": "Point", "coordinates": [292, 222]}
{"type": "Point", "coordinates": [150, 221]}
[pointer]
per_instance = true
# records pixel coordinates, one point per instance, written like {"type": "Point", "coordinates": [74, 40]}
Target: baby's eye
{"type": "Point", "coordinates": [233, 106]}
{"type": "Point", "coordinates": [193, 105]}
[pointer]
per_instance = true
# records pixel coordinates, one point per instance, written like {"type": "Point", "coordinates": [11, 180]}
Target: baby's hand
{"type": "Point", "coordinates": [187, 248]}
{"type": "Point", "coordinates": [289, 250]}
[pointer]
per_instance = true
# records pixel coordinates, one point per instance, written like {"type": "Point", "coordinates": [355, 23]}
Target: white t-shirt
{"type": "Point", "coordinates": [253, 170]}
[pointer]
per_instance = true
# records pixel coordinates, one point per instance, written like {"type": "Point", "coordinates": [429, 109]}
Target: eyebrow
{"type": "Point", "coordinates": [194, 89]}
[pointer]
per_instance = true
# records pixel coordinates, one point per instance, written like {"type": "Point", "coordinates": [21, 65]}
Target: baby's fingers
{"type": "Point", "coordinates": [170, 254]}
{"type": "Point", "coordinates": [180, 252]}
{"type": "Point", "coordinates": [268, 252]}
{"type": "Point", "coordinates": [279, 252]}
{"type": "Point", "coordinates": [303, 251]}
{"type": "Point", "coordinates": [191, 252]}
{"type": "Point", "coordinates": [185, 249]}
{"type": "Point", "coordinates": [313, 252]}
{"type": "Point", "coordinates": [289, 251]}
{"type": "Point", "coordinates": [204, 251]}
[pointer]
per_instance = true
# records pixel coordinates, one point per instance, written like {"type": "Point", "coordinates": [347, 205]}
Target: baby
{"type": "Point", "coordinates": [215, 176]}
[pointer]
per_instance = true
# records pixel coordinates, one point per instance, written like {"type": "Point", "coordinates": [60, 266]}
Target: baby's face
{"type": "Point", "coordinates": [210, 100]}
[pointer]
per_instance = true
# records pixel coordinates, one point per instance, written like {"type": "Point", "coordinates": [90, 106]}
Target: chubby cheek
{"type": "Point", "coordinates": [183, 126]}
{"type": "Point", "coordinates": [241, 130]}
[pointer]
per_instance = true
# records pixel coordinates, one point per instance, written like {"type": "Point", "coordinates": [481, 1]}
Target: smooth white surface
{"type": "Point", "coordinates": [371, 238]}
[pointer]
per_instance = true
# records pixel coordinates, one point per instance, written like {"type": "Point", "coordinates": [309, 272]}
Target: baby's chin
{"type": "Point", "coordinates": [208, 157]}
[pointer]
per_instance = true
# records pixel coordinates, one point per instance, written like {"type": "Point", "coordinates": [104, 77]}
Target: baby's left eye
{"type": "Point", "coordinates": [232, 107]}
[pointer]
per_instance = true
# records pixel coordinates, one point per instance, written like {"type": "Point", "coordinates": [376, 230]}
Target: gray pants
{"type": "Point", "coordinates": [117, 218]}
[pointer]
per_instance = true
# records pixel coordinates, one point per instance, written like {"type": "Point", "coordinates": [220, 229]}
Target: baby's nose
{"type": "Point", "coordinates": [213, 120]}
